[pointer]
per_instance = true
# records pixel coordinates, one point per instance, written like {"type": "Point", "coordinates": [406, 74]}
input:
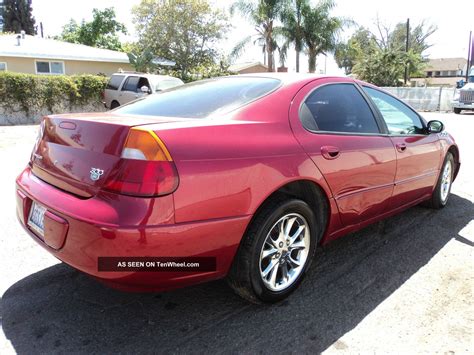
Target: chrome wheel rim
{"type": "Point", "coordinates": [446, 180]}
{"type": "Point", "coordinates": [284, 252]}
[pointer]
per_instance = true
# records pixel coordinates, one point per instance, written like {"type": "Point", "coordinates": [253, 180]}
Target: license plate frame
{"type": "Point", "coordinates": [36, 218]}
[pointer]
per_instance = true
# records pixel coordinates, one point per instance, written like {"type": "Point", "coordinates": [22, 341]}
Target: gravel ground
{"type": "Point", "coordinates": [402, 285]}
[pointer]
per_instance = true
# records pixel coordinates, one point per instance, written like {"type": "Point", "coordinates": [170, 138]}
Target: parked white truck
{"type": "Point", "coordinates": [464, 97]}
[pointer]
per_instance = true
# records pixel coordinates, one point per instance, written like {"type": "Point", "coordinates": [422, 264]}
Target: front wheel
{"type": "Point", "coordinates": [441, 193]}
{"type": "Point", "coordinates": [457, 111]}
{"type": "Point", "coordinates": [276, 252]}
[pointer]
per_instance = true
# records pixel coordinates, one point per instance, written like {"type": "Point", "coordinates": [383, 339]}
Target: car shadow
{"type": "Point", "coordinates": [59, 310]}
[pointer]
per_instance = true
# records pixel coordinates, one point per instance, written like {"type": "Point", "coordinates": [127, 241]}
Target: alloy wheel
{"type": "Point", "coordinates": [284, 252]}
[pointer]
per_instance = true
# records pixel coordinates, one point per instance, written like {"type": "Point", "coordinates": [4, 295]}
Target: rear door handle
{"type": "Point", "coordinates": [330, 152]}
{"type": "Point", "coordinates": [401, 147]}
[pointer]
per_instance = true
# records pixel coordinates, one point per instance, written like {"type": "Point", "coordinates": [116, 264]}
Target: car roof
{"type": "Point", "coordinates": [292, 78]}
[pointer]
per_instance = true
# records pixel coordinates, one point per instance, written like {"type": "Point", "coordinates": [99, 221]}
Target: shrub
{"type": "Point", "coordinates": [31, 92]}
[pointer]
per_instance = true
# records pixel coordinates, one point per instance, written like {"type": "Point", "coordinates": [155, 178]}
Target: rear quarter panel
{"type": "Point", "coordinates": [228, 167]}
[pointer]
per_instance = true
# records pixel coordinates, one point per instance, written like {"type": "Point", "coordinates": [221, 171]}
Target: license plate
{"type": "Point", "coordinates": [36, 218]}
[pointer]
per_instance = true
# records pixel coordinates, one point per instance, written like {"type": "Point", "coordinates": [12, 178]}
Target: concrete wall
{"type": "Point", "coordinates": [27, 65]}
{"type": "Point", "coordinates": [425, 99]}
{"type": "Point", "coordinates": [16, 116]}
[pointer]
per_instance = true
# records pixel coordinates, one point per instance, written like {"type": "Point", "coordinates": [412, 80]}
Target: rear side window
{"type": "Point", "coordinates": [202, 98]}
{"type": "Point", "coordinates": [131, 84]}
{"type": "Point", "coordinates": [338, 108]}
{"type": "Point", "coordinates": [114, 82]}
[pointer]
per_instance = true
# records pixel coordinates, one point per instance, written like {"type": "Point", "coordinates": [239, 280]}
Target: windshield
{"type": "Point", "coordinates": [167, 84]}
{"type": "Point", "coordinates": [202, 98]}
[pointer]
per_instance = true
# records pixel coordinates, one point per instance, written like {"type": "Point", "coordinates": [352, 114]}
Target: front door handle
{"type": "Point", "coordinates": [330, 152]}
{"type": "Point", "coordinates": [401, 147]}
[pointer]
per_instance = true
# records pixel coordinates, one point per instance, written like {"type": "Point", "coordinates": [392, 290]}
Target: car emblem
{"type": "Point", "coordinates": [96, 173]}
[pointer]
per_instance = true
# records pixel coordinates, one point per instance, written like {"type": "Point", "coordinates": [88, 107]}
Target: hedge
{"type": "Point", "coordinates": [29, 92]}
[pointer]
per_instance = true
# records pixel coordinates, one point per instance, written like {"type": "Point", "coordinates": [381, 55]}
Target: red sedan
{"type": "Point", "coordinates": [240, 177]}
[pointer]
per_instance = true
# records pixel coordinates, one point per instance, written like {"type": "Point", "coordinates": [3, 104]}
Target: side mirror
{"type": "Point", "coordinates": [145, 89]}
{"type": "Point", "coordinates": [435, 126]}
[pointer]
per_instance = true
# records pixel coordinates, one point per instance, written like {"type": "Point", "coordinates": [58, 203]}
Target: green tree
{"type": "Point", "coordinates": [101, 32]}
{"type": "Point", "coordinates": [386, 67]}
{"type": "Point", "coordinates": [17, 16]}
{"type": "Point", "coordinates": [347, 54]}
{"type": "Point", "coordinates": [418, 38]}
{"type": "Point", "coordinates": [292, 28]}
{"type": "Point", "coordinates": [381, 59]}
{"type": "Point", "coordinates": [320, 30]}
{"type": "Point", "coordinates": [262, 14]}
{"type": "Point", "coordinates": [142, 61]}
{"type": "Point", "coordinates": [183, 31]}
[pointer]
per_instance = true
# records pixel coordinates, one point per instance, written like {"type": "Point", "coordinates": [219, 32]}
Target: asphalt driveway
{"type": "Point", "coordinates": [405, 284]}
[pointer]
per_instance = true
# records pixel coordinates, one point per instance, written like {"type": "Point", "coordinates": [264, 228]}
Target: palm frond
{"type": "Point", "coordinates": [239, 47]}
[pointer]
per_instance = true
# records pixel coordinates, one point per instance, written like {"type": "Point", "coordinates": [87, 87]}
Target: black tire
{"type": "Point", "coordinates": [457, 111]}
{"type": "Point", "coordinates": [437, 201]}
{"type": "Point", "coordinates": [114, 104]}
{"type": "Point", "coordinates": [244, 276]}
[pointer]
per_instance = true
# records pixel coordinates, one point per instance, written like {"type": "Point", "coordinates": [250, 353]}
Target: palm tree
{"type": "Point", "coordinates": [320, 30]}
{"type": "Point", "coordinates": [292, 29]}
{"type": "Point", "coordinates": [262, 14]}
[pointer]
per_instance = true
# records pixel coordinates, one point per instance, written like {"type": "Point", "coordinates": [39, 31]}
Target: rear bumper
{"type": "Point", "coordinates": [110, 225]}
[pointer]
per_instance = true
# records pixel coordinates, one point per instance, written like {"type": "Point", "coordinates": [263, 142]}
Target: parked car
{"type": "Point", "coordinates": [125, 87]}
{"type": "Point", "coordinates": [247, 174]}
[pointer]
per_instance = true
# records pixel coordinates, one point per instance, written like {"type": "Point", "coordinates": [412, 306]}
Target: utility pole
{"type": "Point", "coordinates": [406, 50]}
{"type": "Point", "coordinates": [470, 55]}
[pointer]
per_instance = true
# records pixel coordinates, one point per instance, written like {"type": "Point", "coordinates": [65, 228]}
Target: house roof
{"type": "Point", "coordinates": [242, 66]}
{"type": "Point", "coordinates": [442, 64]}
{"type": "Point", "coordinates": [42, 48]}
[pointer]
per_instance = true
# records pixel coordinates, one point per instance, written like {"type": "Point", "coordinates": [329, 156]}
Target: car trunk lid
{"type": "Point", "coordinates": [77, 152]}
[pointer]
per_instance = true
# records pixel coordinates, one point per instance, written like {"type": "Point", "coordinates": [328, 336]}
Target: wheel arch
{"type": "Point", "coordinates": [453, 149]}
{"type": "Point", "coordinates": [308, 191]}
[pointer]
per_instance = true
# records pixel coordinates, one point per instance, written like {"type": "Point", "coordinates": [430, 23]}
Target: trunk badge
{"type": "Point", "coordinates": [96, 173]}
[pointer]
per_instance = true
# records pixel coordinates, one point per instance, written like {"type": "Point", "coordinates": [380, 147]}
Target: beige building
{"type": "Point", "coordinates": [442, 72]}
{"type": "Point", "coordinates": [248, 68]}
{"type": "Point", "coordinates": [35, 55]}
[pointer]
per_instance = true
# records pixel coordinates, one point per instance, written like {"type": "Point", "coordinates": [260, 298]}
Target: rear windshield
{"type": "Point", "coordinates": [202, 98]}
{"type": "Point", "coordinates": [115, 81]}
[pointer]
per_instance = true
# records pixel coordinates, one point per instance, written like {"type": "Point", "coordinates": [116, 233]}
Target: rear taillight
{"type": "Point", "coordinates": [145, 168]}
{"type": "Point", "coordinates": [39, 137]}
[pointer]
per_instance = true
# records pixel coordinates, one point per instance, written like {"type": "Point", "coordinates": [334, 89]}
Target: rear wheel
{"type": "Point", "coordinates": [276, 251]}
{"type": "Point", "coordinates": [114, 104]}
{"type": "Point", "coordinates": [457, 111]}
{"type": "Point", "coordinates": [440, 195]}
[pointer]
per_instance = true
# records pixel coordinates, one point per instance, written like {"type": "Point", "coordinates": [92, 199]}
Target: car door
{"type": "Point", "coordinates": [418, 153]}
{"type": "Point", "coordinates": [128, 92]}
{"type": "Point", "coordinates": [337, 127]}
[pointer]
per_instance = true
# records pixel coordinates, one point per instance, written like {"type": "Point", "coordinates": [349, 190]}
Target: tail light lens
{"type": "Point", "coordinates": [145, 168]}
